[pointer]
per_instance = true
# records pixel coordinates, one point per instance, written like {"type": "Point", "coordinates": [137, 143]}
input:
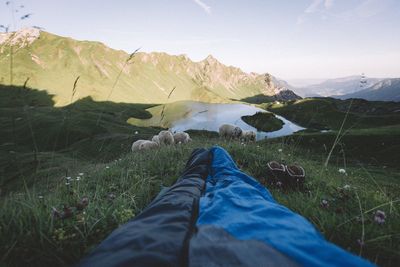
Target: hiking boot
{"type": "Point", "coordinates": [276, 172]}
{"type": "Point", "coordinates": [285, 176]}
{"type": "Point", "coordinates": [295, 175]}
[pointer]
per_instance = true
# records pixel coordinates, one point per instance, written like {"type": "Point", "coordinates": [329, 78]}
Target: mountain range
{"type": "Point", "coordinates": [385, 90]}
{"type": "Point", "coordinates": [337, 86]}
{"type": "Point", "coordinates": [53, 63]}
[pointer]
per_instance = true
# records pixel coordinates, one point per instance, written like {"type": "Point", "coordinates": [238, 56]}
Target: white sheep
{"type": "Point", "coordinates": [230, 131]}
{"type": "Point", "coordinates": [136, 145]}
{"type": "Point", "coordinates": [182, 137]}
{"type": "Point", "coordinates": [156, 139]}
{"type": "Point", "coordinates": [248, 136]}
{"type": "Point", "coordinates": [147, 145]}
{"type": "Point", "coordinates": [166, 138]}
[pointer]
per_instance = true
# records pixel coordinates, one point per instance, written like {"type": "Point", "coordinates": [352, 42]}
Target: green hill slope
{"type": "Point", "coordinates": [52, 63]}
{"type": "Point", "coordinates": [41, 145]}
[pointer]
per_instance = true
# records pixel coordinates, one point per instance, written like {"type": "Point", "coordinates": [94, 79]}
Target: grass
{"type": "Point", "coordinates": [370, 133]}
{"type": "Point", "coordinates": [35, 133]}
{"type": "Point", "coordinates": [119, 189]}
{"type": "Point", "coordinates": [148, 79]}
{"type": "Point", "coordinates": [328, 113]}
{"type": "Point", "coordinates": [118, 183]}
{"type": "Point", "coordinates": [264, 121]}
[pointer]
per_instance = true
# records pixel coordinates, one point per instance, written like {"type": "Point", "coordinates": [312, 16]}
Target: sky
{"type": "Point", "coordinates": [291, 39]}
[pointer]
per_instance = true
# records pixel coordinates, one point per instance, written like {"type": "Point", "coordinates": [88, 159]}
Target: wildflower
{"type": "Point", "coordinates": [342, 171]}
{"type": "Point", "coordinates": [107, 167]}
{"type": "Point", "coordinates": [346, 187]}
{"type": "Point", "coordinates": [279, 184]}
{"type": "Point", "coordinates": [361, 242]}
{"type": "Point", "coordinates": [379, 217]}
{"type": "Point", "coordinates": [136, 132]}
{"type": "Point", "coordinates": [55, 213]}
{"type": "Point", "coordinates": [180, 142]}
{"type": "Point", "coordinates": [67, 183]}
{"type": "Point", "coordinates": [111, 196]}
{"type": "Point", "coordinates": [280, 150]}
{"type": "Point", "coordinates": [40, 197]}
{"type": "Point", "coordinates": [80, 174]}
{"type": "Point", "coordinates": [78, 178]}
{"type": "Point", "coordinates": [68, 178]}
{"type": "Point", "coordinates": [324, 203]}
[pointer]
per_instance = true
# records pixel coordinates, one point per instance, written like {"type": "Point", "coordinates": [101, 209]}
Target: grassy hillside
{"type": "Point", "coordinates": [370, 133]}
{"type": "Point", "coordinates": [43, 145]}
{"type": "Point", "coordinates": [264, 121]}
{"type": "Point", "coordinates": [328, 113]}
{"type": "Point", "coordinates": [35, 134]}
{"type": "Point", "coordinates": [53, 63]}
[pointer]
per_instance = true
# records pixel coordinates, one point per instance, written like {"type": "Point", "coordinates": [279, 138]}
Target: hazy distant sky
{"type": "Point", "coordinates": [287, 38]}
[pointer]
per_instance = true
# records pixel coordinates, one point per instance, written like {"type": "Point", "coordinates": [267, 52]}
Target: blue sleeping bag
{"type": "Point", "coordinates": [216, 215]}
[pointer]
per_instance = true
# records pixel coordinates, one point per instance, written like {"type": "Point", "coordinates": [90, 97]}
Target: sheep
{"type": "Point", "coordinates": [182, 138]}
{"type": "Point", "coordinates": [156, 139]}
{"type": "Point", "coordinates": [166, 138]}
{"type": "Point", "coordinates": [147, 145]}
{"type": "Point", "coordinates": [136, 145]}
{"type": "Point", "coordinates": [248, 136]}
{"type": "Point", "coordinates": [230, 131]}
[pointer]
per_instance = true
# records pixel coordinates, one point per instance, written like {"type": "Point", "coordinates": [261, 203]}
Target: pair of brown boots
{"type": "Point", "coordinates": [285, 176]}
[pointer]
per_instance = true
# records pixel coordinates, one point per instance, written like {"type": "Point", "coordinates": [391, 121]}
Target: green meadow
{"type": "Point", "coordinates": [68, 177]}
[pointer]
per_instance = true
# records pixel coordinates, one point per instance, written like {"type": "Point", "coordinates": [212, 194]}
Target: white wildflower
{"type": "Point", "coordinates": [280, 150]}
{"type": "Point", "coordinates": [40, 197]}
{"type": "Point", "coordinates": [346, 187]}
{"type": "Point", "coordinates": [80, 174]}
{"type": "Point", "coordinates": [136, 132]}
{"type": "Point", "coordinates": [325, 203]}
{"type": "Point", "coordinates": [67, 183]}
{"type": "Point", "coordinates": [78, 178]}
{"type": "Point", "coordinates": [342, 171]}
{"type": "Point", "coordinates": [379, 217]}
{"type": "Point", "coordinates": [68, 178]}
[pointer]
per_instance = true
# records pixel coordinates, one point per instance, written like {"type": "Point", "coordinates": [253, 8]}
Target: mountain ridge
{"type": "Point", "coordinates": [53, 63]}
{"type": "Point", "coordinates": [384, 90]}
{"type": "Point", "coordinates": [335, 87]}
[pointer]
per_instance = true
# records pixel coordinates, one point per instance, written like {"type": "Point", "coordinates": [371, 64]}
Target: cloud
{"type": "Point", "coordinates": [313, 7]}
{"type": "Point", "coordinates": [203, 5]}
{"type": "Point", "coordinates": [316, 6]}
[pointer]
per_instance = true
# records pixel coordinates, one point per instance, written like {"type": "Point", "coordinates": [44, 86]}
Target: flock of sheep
{"type": "Point", "coordinates": [226, 131]}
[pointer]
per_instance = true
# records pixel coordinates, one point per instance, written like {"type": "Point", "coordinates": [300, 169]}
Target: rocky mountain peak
{"type": "Point", "coordinates": [211, 60]}
{"type": "Point", "coordinates": [22, 37]}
